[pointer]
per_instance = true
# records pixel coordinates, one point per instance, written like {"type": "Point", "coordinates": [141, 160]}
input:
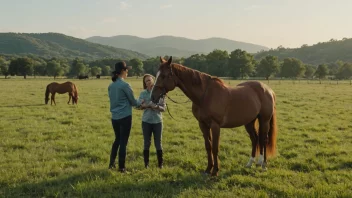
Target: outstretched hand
{"type": "Point", "coordinates": [150, 105]}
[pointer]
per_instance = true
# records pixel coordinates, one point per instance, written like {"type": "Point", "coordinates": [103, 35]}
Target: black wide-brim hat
{"type": "Point", "coordinates": [119, 66]}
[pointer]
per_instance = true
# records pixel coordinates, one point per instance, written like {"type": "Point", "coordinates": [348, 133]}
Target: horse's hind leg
{"type": "Point", "coordinates": [250, 127]}
{"type": "Point", "coordinates": [207, 140]}
{"type": "Point", "coordinates": [53, 99]}
{"type": "Point", "coordinates": [264, 126]}
{"type": "Point", "coordinates": [215, 133]}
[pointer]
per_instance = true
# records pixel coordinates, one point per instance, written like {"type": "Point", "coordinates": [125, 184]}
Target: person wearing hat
{"type": "Point", "coordinates": [121, 102]}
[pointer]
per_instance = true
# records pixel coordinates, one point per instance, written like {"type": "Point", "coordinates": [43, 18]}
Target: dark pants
{"type": "Point", "coordinates": [156, 130]}
{"type": "Point", "coordinates": [122, 128]}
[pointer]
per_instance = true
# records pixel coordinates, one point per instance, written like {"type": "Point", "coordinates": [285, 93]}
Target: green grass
{"type": "Point", "coordinates": [63, 150]}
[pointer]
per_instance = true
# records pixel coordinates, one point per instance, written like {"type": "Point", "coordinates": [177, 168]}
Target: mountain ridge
{"type": "Point", "coordinates": [60, 45]}
{"type": "Point", "coordinates": [169, 44]}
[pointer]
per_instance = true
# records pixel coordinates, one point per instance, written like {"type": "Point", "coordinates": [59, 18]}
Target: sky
{"type": "Point", "coordinates": [289, 23]}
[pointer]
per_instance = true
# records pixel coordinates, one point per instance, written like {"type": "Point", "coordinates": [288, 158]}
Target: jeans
{"type": "Point", "coordinates": [122, 129]}
{"type": "Point", "coordinates": [156, 130]}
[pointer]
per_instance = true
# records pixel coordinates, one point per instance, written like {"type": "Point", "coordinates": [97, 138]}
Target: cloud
{"type": "Point", "coordinates": [109, 20]}
{"type": "Point", "coordinates": [124, 5]}
{"type": "Point", "coordinates": [165, 6]}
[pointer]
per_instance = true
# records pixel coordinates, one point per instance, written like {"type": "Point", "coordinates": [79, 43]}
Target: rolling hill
{"type": "Point", "coordinates": [322, 52]}
{"type": "Point", "coordinates": [60, 45]}
{"type": "Point", "coordinates": [175, 46]}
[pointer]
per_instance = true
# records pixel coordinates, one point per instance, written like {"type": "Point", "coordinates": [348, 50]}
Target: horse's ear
{"type": "Point", "coordinates": [161, 60]}
{"type": "Point", "coordinates": [170, 60]}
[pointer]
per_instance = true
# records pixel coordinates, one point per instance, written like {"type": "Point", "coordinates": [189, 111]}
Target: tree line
{"type": "Point", "coordinates": [55, 67]}
{"type": "Point", "coordinates": [237, 64]}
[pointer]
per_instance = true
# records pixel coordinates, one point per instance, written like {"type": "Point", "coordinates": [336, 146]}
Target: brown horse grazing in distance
{"type": "Point", "coordinates": [66, 87]}
{"type": "Point", "coordinates": [216, 105]}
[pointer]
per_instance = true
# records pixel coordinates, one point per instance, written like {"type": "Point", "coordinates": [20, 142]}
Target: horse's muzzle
{"type": "Point", "coordinates": [154, 99]}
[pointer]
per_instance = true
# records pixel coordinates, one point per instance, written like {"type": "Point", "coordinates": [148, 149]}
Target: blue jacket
{"type": "Point", "coordinates": [121, 99]}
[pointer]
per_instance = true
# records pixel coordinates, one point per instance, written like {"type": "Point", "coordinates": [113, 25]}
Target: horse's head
{"type": "Point", "coordinates": [75, 99]}
{"type": "Point", "coordinates": [46, 100]}
{"type": "Point", "coordinates": [164, 80]}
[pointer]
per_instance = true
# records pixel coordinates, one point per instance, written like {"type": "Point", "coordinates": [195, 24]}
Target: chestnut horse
{"type": "Point", "coordinates": [216, 105]}
{"type": "Point", "coordinates": [66, 87]}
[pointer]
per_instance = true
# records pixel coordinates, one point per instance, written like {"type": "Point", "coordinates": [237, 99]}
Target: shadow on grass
{"type": "Point", "coordinates": [106, 183]}
{"type": "Point", "coordinates": [24, 105]}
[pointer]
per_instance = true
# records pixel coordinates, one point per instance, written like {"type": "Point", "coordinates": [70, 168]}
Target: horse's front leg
{"type": "Point", "coordinates": [252, 132]}
{"type": "Point", "coordinates": [215, 131]}
{"type": "Point", "coordinates": [69, 99]}
{"type": "Point", "coordinates": [207, 140]}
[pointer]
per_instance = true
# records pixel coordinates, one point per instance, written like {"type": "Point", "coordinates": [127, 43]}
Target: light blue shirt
{"type": "Point", "coordinates": [121, 99]}
{"type": "Point", "coordinates": [152, 116]}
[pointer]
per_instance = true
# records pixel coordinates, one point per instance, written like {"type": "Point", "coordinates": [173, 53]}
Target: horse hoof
{"type": "Point", "coordinates": [264, 168]}
{"type": "Point", "coordinates": [248, 166]}
{"type": "Point", "coordinates": [214, 174]}
{"type": "Point", "coordinates": [208, 170]}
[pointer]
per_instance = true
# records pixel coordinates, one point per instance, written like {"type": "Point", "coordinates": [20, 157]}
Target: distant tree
{"type": "Point", "coordinates": [217, 62]}
{"type": "Point", "coordinates": [39, 67]}
{"type": "Point", "coordinates": [137, 66]}
{"type": "Point", "coordinates": [106, 70]}
{"type": "Point", "coordinates": [310, 70]}
{"type": "Point", "coordinates": [65, 65]}
{"type": "Point", "coordinates": [197, 62]}
{"type": "Point", "coordinates": [78, 68]}
{"type": "Point", "coordinates": [334, 67]}
{"type": "Point", "coordinates": [241, 64]}
{"type": "Point", "coordinates": [151, 65]}
{"type": "Point", "coordinates": [268, 66]}
{"type": "Point", "coordinates": [4, 67]}
{"type": "Point", "coordinates": [322, 71]}
{"type": "Point", "coordinates": [292, 68]}
{"type": "Point", "coordinates": [21, 66]}
{"type": "Point", "coordinates": [54, 69]}
{"type": "Point", "coordinates": [345, 71]}
{"type": "Point", "coordinates": [95, 71]}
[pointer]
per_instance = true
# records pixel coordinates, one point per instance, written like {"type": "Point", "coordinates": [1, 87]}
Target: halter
{"type": "Point", "coordinates": [164, 92]}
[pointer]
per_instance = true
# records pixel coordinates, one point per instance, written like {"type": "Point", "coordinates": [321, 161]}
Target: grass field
{"type": "Point", "coordinates": [63, 150]}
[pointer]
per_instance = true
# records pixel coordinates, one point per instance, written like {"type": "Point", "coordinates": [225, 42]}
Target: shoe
{"type": "Point", "coordinates": [112, 166]}
{"type": "Point", "coordinates": [159, 154]}
{"type": "Point", "coordinates": [122, 167]}
{"type": "Point", "coordinates": [146, 158]}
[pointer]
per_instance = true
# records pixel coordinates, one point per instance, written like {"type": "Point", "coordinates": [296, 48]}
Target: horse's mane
{"type": "Point", "coordinates": [196, 76]}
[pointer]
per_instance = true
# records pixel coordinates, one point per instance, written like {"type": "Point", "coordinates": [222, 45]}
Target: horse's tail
{"type": "Point", "coordinates": [75, 93]}
{"type": "Point", "coordinates": [47, 92]}
{"type": "Point", "coordinates": [75, 90]}
{"type": "Point", "coordinates": [271, 146]}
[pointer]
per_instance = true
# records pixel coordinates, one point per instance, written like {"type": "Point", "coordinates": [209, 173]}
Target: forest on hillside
{"type": "Point", "coordinates": [53, 54]}
{"type": "Point", "coordinates": [320, 53]}
{"type": "Point", "coordinates": [238, 64]}
{"type": "Point", "coordinates": [48, 45]}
